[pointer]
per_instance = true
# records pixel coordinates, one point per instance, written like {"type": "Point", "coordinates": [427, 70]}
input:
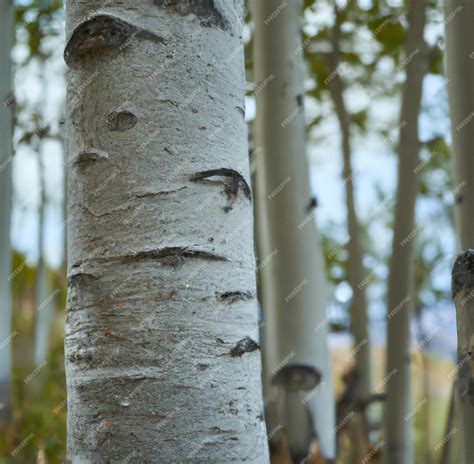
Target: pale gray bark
{"type": "Point", "coordinates": [398, 426]}
{"type": "Point", "coordinates": [356, 272]}
{"type": "Point", "coordinates": [463, 295]}
{"type": "Point", "coordinates": [459, 17]}
{"type": "Point", "coordinates": [294, 288]}
{"type": "Point", "coordinates": [6, 153]}
{"type": "Point", "coordinates": [460, 72]}
{"type": "Point", "coordinates": [162, 363]}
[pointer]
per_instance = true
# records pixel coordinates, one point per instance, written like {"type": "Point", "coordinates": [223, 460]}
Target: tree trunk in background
{"type": "Point", "coordinates": [463, 292]}
{"type": "Point", "coordinates": [357, 274]}
{"type": "Point", "coordinates": [43, 303]}
{"type": "Point", "coordinates": [162, 362]}
{"type": "Point", "coordinates": [398, 424]}
{"type": "Point", "coordinates": [293, 279]}
{"type": "Point", "coordinates": [6, 153]}
{"type": "Point", "coordinates": [460, 72]}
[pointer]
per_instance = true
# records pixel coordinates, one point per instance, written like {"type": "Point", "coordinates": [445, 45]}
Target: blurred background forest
{"type": "Point", "coordinates": [371, 69]}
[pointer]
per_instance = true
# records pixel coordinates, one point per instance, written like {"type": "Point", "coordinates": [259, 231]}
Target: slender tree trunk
{"type": "Point", "coordinates": [294, 288]}
{"type": "Point", "coordinates": [43, 306]}
{"type": "Point", "coordinates": [161, 355]}
{"type": "Point", "coordinates": [460, 72]}
{"type": "Point", "coordinates": [6, 153]}
{"type": "Point", "coordinates": [398, 427]}
{"type": "Point", "coordinates": [357, 274]}
{"type": "Point", "coordinates": [426, 409]}
{"type": "Point", "coordinates": [463, 294]}
{"type": "Point", "coordinates": [450, 420]}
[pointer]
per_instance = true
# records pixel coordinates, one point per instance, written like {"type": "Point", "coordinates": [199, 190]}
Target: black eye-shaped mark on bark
{"type": "Point", "coordinates": [100, 33]}
{"type": "Point", "coordinates": [246, 345]}
{"type": "Point", "coordinates": [121, 121]}
{"type": "Point", "coordinates": [313, 203]}
{"type": "Point", "coordinates": [89, 156]}
{"type": "Point", "coordinates": [232, 297]}
{"type": "Point", "coordinates": [233, 180]}
{"type": "Point", "coordinates": [205, 10]}
{"type": "Point", "coordinates": [296, 377]}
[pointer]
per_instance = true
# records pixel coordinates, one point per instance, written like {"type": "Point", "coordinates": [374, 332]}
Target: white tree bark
{"type": "Point", "coordinates": [459, 17]}
{"type": "Point", "coordinates": [294, 288]}
{"type": "Point", "coordinates": [460, 72]}
{"type": "Point", "coordinates": [398, 427]}
{"type": "Point", "coordinates": [463, 294]}
{"type": "Point", "coordinates": [6, 153]}
{"type": "Point", "coordinates": [161, 346]}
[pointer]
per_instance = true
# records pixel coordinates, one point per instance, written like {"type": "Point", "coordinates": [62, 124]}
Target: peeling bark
{"type": "Point", "coordinates": [157, 366]}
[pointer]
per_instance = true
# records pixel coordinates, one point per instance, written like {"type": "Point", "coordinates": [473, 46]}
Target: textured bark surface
{"type": "Point", "coordinates": [463, 295]}
{"type": "Point", "coordinates": [6, 153]}
{"type": "Point", "coordinates": [460, 72]}
{"type": "Point", "coordinates": [398, 430]}
{"type": "Point", "coordinates": [291, 265]}
{"type": "Point", "coordinates": [161, 338]}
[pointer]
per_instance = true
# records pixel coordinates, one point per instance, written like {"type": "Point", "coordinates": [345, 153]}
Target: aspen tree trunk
{"type": "Point", "coordinates": [6, 153]}
{"type": "Point", "coordinates": [460, 72]}
{"type": "Point", "coordinates": [357, 274]}
{"type": "Point", "coordinates": [463, 295]}
{"type": "Point", "coordinates": [43, 306]}
{"type": "Point", "coordinates": [398, 427]}
{"type": "Point", "coordinates": [161, 348]}
{"type": "Point", "coordinates": [294, 290]}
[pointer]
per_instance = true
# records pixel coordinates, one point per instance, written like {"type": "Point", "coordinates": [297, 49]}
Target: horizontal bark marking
{"type": "Point", "coordinates": [121, 121]}
{"type": "Point", "coordinates": [158, 194]}
{"type": "Point", "coordinates": [297, 377]}
{"type": "Point", "coordinates": [86, 276]}
{"type": "Point", "coordinates": [89, 156]}
{"type": "Point", "coordinates": [232, 181]}
{"type": "Point", "coordinates": [240, 110]}
{"type": "Point", "coordinates": [205, 10]}
{"type": "Point", "coordinates": [103, 32]}
{"type": "Point", "coordinates": [463, 272]}
{"type": "Point", "coordinates": [171, 256]}
{"type": "Point", "coordinates": [232, 297]}
{"type": "Point", "coordinates": [174, 255]}
{"type": "Point", "coordinates": [246, 345]}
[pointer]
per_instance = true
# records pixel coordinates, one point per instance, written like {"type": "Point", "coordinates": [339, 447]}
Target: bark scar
{"type": "Point", "coordinates": [89, 156]}
{"type": "Point", "coordinates": [205, 10]}
{"type": "Point", "coordinates": [233, 180]}
{"type": "Point", "coordinates": [296, 377]}
{"type": "Point", "coordinates": [246, 345]}
{"type": "Point", "coordinates": [463, 272]}
{"type": "Point", "coordinates": [103, 32]}
{"type": "Point", "coordinates": [231, 297]}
